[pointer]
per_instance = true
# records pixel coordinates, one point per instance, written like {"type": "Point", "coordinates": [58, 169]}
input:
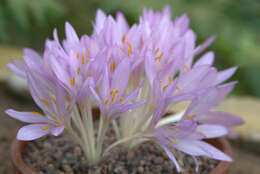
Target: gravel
{"type": "Point", "coordinates": [60, 155]}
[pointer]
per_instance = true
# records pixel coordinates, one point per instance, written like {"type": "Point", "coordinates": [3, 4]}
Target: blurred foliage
{"type": "Point", "coordinates": [236, 23]}
{"type": "Point", "coordinates": [26, 21]}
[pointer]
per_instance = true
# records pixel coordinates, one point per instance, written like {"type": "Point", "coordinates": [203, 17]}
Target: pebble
{"type": "Point", "coordinates": [58, 155]}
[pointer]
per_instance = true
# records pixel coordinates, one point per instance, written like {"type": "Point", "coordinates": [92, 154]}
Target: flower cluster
{"type": "Point", "coordinates": [135, 75]}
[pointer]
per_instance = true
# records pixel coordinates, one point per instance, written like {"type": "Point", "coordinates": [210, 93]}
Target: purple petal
{"type": "Point", "coordinates": [33, 131]}
{"type": "Point", "coordinates": [57, 130]}
{"type": "Point", "coordinates": [206, 59]}
{"type": "Point", "coordinates": [28, 117]}
{"type": "Point", "coordinates": [200, 148]}
{"type": "Point", "coordinates": [71, 35]}
{"type": "Point", "coordinates": [100, 20]}
{"type": "Point", "coordinates": [121, 76]}
{"type": "Point", "coordinates": [132, 95]}
{"type": "Point", "coordinates": [18, 68]}
{"type": "Point", "coordinates": [203, 46]}
{"type": "Point", "coordinates": [224, 75]}
{"type": "Point", "coordinates": [222, 118]}
{"type": "Point", "coordinates": [212, 131]}
{"type": "Point", "coordinates": [170, 155]}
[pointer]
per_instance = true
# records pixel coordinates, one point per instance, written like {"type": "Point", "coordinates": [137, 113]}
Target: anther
{"type": "Point", "coordinates": [191, 116]}
{"type": "Point", "coordinates": [36, 113]}
{"type": "Point", "coordinates": [72, 81]}
{"type": "Point", "coordinates": [158, 58]}
{"type": "Point", "coordinates": [45, 128]}
{"type": "Point", "coordinates": [88, 52]}
{"type": "Point", "coordinates": [123, 38]}
{"type": "Point", "coordinates": [53, 99]}
{"type": "Point", "coordinates": [45, 102]}
{"type": "Point", "coordinates": [187, 68]}
{"type": "Point", "coordinates": [113, 66]}
{"type": "Point", "coordinates": [83, 59]}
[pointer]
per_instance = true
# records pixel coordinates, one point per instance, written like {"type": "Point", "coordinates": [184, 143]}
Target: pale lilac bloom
{"type": "Point", "coordinates": [202, 107]}
{"type": "Point", "coordinates": [54, 106]}
{"type": "Point", "coordinates": [186, 136]}
{"type": "Point", "coordinates": [149, 66]}
{"type": "Point", "coordinates": [113, 100]}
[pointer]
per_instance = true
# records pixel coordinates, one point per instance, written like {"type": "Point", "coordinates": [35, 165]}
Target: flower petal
{"type": "Point", "coordinates": [28, 117]}
{"type": "Point", "coordinates": [206, 59]}
{"type": "Point", "coordinates": [200, 148]}
{"type": "Point", "coordinates": [204, 45]}
{"type": "Point", "coordinates": [224, 75]}
{"type": "Point", "coordinates": [170, 155]}
{"type": "Point", "coordinates": [33, 131]}
{"type": "Point", "coordinates": [57, 130]}
{"type": "Point", "coordinates": [222, 118]}
{"type": "Point", "coordinates": [212, 131]}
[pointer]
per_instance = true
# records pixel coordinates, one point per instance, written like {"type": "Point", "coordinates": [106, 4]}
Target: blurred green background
{"type": "Point", "coordinates": [27, 23]}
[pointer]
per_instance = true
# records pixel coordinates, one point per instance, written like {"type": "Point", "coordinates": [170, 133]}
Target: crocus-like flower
{"type": "Point", "coordinates": [134, 75]}
{"type": "Point", "coordinates": [54, 106]}
{"type": "Point", "coordinates": [112, 101]}
{"type": "Point", "coordinates": [187, 137]}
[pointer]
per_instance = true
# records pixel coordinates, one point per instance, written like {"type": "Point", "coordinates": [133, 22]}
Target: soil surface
{"type": "Point", "coordinates": [52, 155]}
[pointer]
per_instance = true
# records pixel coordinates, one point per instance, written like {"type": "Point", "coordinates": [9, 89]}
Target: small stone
{"type": "Point", "coordinates": [158, 160]}
{"type": "Point", "coordinates": [67, 168]}
{"type": "Point", "coordinates": [77, 151]}
{"type": "Point", "coordinates": [130, 155]}
{"type": "Point", "coordinates": [140, 169]}
{"type": "Point", "coordinates": [142, 162]}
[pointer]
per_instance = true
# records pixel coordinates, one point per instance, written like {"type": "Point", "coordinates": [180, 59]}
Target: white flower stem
{"type": "Point", "coordinates": [101, 135]}
{"type": "Point", "coordinates": [116, 129]}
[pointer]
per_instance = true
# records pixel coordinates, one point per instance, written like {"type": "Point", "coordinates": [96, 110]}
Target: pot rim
{"type": "Point", "coordinates": [21, 167]}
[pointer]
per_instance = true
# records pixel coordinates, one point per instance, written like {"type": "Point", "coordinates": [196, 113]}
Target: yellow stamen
{"type": "Point", "coordinates": [113, 66]}
{"type": "Point", "coordinates": [178, 88]}
{"type": "Point", "coordinates": [78, 56]}
{"type": "Point", "coordinates": [186, 67]}
{"type": "Point", "coordinates": [53, 99]}
{"type": "Point", "coordinates": [121, 100]}
{"type": "Point", "coordinates": [121, 48]}
{"type": "Point", "coordinates": [166, 86]}
{"type": "Point", "coordinates": [172, 52]}
{"type": "Point", "coordinates": [173, 140]}
{"type": "Point", "coordinates": [170, 79]}
{"type": "Point", "coordinates": [72, 81]}
{"type": "Point", "coordinates": [158, 58]}
{"type": "Point", "coordinates": [78, 70]}
{"type": "Point", "coordinates": [191, 116]}
{"type": "Point", "coordinates": [174, 130]}
{"type": "Point", "coordinates": [45, 102]}
{"type": "Point", "coordinates": [68, 107]}
{"type": "Point", "coordinates": [113, 98]}
{"type": "Point", "coordinates": [106, 102]}
{"type": "Point", "coordinates": [112, 92]}
{"type": "Point", "coordinates": [36, 113]}
{"type": "Point", "coordinates": [130, 48]}
{"type": "Point", "coordinates": [45, 128]}
{"type": "Point", "coordinates": [83, 59]}
{"type": "Point", "coordinates": [156, 51]}
{"type": "Point", "coordinates": [88, 52]}
{"type": "Point", "coordinates": [123, 38]}
{"type": "Point", "coordinates": [54, 117]}
{"type": "Point", "coordinates": [89, 73]}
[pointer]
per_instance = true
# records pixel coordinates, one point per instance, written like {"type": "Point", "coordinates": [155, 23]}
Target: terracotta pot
{"type": "Point", "coordinates": [20, 167]}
